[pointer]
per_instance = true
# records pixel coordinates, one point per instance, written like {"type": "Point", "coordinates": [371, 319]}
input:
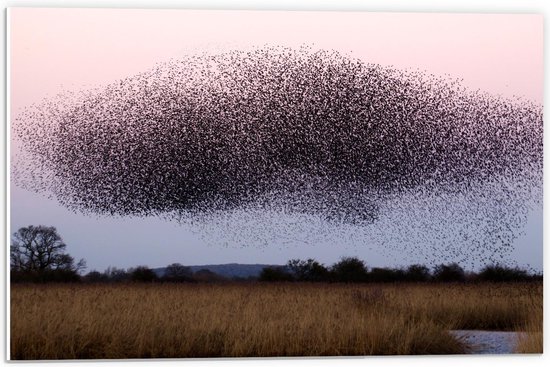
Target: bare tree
{"type": "Point", "coordinates": [40, 249]}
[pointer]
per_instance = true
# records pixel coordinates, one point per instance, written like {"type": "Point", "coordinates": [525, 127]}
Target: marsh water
{"type": "Point", "coordinates": [489, 342]}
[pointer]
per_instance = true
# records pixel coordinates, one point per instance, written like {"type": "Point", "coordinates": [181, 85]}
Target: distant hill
{"type": "Point", "coordinates": [227, 270]}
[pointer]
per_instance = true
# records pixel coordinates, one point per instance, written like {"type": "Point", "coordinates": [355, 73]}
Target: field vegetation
{"type": "Point", "coordinates": [260, 319]}
{"type": "Point", "coordinates": [303, 308]}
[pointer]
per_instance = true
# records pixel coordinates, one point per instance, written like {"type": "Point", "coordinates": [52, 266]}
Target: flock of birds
{"type": "Point", "coordinates": [362, 151]}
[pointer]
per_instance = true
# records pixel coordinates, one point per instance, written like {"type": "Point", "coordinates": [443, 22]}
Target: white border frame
{"type": "Point", "coordinates": [453, 6]}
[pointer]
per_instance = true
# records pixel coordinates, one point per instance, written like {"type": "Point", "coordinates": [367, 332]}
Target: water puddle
{"type": "Point", "coordinates": [489, 342]}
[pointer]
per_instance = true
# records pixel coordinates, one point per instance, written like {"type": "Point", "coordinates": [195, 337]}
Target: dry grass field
{"type": "Point", "coordinates": [237, 320]}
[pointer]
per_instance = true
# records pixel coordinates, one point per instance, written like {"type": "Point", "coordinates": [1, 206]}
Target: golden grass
{"type": "Point", "coordinates": [532, 341]}
{"type": "Point", "coordinates": [238, 320]}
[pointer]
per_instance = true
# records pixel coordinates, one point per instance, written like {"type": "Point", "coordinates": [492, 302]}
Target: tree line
{"type": "Point", "coordinates": [38, 254]}
{"type": "Point", "coordinates": [354, 270]}
{"type": "Point", "coordinates": [173, 273]}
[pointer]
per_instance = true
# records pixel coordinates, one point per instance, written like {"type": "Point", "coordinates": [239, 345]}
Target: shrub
{"type": "Point", "coordinates": [177, 273]}
{"type": "Point", "coordinates": [114, 274]}
{"type": "Point", "coordinates": [44, 276]}
{"type": "Point", "coordinates": [142, 274]}
{"type": "Point", "coordinates": [499, 273]}
{"type": "Point", "coordinates": [275, 274]}
{"type": "Point", "coordinates": [349, 270]}
{"type": "Point", "coordinates": [386, 275]}
{"type": "Point", "coordinates": [449, 273]}
{"type": "Point", "coordinates": [208, 276]}
{"type": "Point", "coordinates": [308, 270]}
{"type": "Point", "coordinates": [96, 277]}
{"type": "Point", "coordinates": [417, 273]}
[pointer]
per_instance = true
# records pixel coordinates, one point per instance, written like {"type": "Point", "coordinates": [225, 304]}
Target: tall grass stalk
{"type": "Point", "coordinates": [256, 320]}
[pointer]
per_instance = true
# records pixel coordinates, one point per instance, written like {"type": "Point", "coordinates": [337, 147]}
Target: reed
{"type": "Point", "coordinates": [532, 341]}
{"type": "Point", "coordinates": [256, 320]}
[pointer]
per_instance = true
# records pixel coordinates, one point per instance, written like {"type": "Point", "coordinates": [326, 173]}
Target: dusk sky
{"type": "Point", "coordinates": [62, 50]}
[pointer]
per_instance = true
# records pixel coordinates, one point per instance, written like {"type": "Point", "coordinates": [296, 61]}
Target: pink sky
{"type": "Point", "coordinates": [57, 49]}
